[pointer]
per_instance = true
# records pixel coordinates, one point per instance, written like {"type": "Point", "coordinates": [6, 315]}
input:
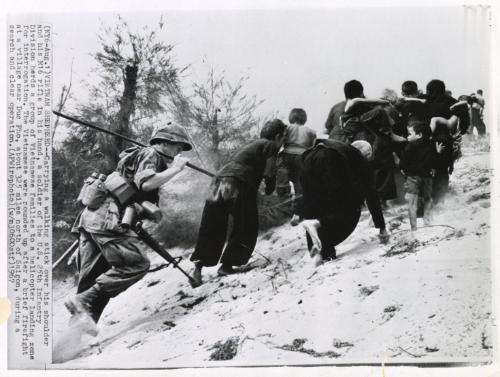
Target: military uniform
{"type": "Point", "coordinates": [112, 258]}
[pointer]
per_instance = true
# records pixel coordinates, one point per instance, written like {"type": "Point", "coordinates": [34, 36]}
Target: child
{"type": "Point", "coordinates": [417, 163]}
{"type": "Point", "coordinates": [298, 138]}
{"type": "Point", "coordinates": [234, 191]}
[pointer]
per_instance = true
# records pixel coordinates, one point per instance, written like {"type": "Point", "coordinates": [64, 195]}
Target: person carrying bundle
{"type": "Point", "coordinates": [337, 180]}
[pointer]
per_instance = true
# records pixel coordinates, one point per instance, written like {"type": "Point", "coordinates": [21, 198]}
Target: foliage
{"type": "Point", "coordinates": [134, 83]}
{"type": "Point", "coordinates": [220, 116]}
{"type": "Point", "coordinates": [134, 72]}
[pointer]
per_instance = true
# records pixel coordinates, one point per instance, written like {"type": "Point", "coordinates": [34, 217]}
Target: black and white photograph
{"type": "Point", "coordinates": [254, 186]}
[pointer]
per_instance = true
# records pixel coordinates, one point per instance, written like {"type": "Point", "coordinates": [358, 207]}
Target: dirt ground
{"type": "Point", "coordinates": [425, 299]}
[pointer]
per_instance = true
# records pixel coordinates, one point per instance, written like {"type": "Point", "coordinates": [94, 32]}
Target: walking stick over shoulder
{"type": "Point", "coordinates": [109, 132]}
{"type": "Point", "coordinates": [68, 251]}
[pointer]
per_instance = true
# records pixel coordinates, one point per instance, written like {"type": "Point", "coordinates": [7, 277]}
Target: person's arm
{"type": "Point", "coordinates": [159, 179]}
{"type": "Point", "coordinates": [373, 204]}
{"type": "Point", "coordinates": [459, 104]}
{"type": "Point", "coordinates": [450, 124]}
{"type": "Point", "coordinates": [414, 99]}
{"type": "Point", "coordinates": [369, 101]}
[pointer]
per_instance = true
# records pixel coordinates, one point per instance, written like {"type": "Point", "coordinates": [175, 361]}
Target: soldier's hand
{"type": "Point", "coordinates": [180, 162]}
{"type": "Point", "coordinates": [72, 259]}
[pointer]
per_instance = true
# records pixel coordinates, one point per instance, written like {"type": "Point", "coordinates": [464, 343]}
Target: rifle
{"type": "Point", "coordinates": [153, 244]}
{"type": "Point", "coordinates": [95, 127]}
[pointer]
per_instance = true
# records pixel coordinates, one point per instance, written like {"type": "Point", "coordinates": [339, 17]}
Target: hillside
{"type": "Point", "coordinates": [413, 300]}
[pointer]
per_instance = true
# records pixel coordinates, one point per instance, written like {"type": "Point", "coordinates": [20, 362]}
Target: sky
{"type": "Point", "coordinates": [300, 57]}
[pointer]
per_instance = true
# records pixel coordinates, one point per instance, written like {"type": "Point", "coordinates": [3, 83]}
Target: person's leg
{"type": "Point", "coordinates": [314, 245]}
{"type": "Point", "coordinates": [426, 193]}
{"type": "Point", "coordinates": [91, 264]}
{"type": "Point", "coordinates": [282, 177]}
{"type": "Point", "coordinates": [481, 127]}
{"type": "Point", "coordinates": [129, 263]}
{"type": "Point", "coordinates": [295, 173]}
{"type": "Point", "coordinates": [243, 236]}
{"type": "Point", "coordinates": [335, 229]}
{"type": "Point", "coordinates": [412, 186]}
{"type": "Point", "coordinates": [212, 233]}
{"type": "Point", "coordinates": [412, 210]}
{"type": "Point", "coordinates": [324, 235]}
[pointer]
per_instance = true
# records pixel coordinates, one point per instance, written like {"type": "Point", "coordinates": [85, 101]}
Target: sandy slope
{"type": "Point", "coordinates": [408, 301]}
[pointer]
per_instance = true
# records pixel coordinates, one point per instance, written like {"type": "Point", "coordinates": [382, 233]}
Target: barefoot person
{"type": "Point", "coordinates": [418, 162]}
{"type": "Point", "coordinates": [234, 191]}
{"type": "Point", "coordinates": [298, 138]}
{"type": "Point", "coordinates": [111, 257]}
{"type": "Point", "coordinates": [337, 179]}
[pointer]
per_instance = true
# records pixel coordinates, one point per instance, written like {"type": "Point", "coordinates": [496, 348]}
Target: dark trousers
{"type": "Point", "coordinates": [290, 170]}
{"type": "Point", "coordinates": [214, 228]}
{"type": "Point", "coordinates": [114, 263]}
{"type": "Point", "coordinates": [334, 229]}
{"type": "Point", "coordinates": [477, 122]}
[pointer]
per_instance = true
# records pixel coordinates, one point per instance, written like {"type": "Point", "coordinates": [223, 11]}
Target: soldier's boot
{"type": "Point", "coordinates": [80, 307]}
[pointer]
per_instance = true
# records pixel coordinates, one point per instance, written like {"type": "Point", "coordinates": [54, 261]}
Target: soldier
{"type": "Point", "coordinates": [337, 179]}
{"type": "Point", "coordinates": [112, 258]}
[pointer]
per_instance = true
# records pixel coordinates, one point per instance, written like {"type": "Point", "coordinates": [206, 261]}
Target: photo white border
{"type": "Point", "coordinates": [56, 6]}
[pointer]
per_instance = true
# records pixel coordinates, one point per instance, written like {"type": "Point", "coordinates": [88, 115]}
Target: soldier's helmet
{"type": "Point", "coordinates": [172, 134]}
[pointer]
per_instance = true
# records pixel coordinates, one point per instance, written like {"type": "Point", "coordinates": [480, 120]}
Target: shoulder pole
{"type": "Point", "coordinates": [95, 127]}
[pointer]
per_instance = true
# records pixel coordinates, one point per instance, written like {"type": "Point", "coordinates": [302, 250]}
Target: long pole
{"type": "Point", "coordinates": [95, 127]}
{"type": "Point", "coordinates": [70, 249]}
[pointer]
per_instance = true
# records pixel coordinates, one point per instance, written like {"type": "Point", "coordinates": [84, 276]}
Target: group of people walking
{"type": "Point", "coordinates": [370, 140]}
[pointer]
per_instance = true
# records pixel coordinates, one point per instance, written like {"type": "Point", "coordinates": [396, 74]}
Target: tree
{"type": "Point", "coordinates": [134, 72]}
{"type": "Point", "coordinates": [63, 98]}
{"type": "Point", "coordinates": [219, 115]}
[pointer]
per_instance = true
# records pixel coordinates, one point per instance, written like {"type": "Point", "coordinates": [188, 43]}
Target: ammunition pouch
{"type": "Point", "coordinates": [120, 189]}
